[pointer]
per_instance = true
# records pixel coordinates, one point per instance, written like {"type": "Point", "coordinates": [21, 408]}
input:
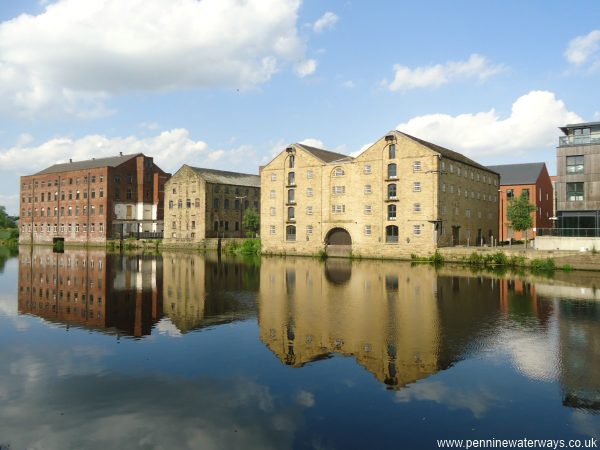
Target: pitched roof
{"type": "Point", "coordinates": [111, 161]}
{"type": "Point", "coordinates": [526, 173]}
{"type": "Point", "coordinates": [224, 177]}
{"type": "Point", "coordinates": [446, 153]}
{"type": "Point", "coordinates": [323, 155]}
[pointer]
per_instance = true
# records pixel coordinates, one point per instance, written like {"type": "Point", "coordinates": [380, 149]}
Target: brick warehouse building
{"type": "Point", "coordinates": [92, 200]}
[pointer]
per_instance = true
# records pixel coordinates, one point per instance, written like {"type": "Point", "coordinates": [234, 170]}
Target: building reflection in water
{"type": "Point", "coordinates": [401, 324]}
{"type": "Point", "coordinates": [202, 290]}
{"type": "Point", "coordinates": [579, 328]}
{"type": "Point", "coordinates": [90, 288]}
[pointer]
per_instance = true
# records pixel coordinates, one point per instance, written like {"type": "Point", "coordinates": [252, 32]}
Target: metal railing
{"type": "Point", "coordinates": [593, 138]}
{"type": "Point", "coordinates": [568, 232]}
{"type": "Point", "coordinates": [146, 234]}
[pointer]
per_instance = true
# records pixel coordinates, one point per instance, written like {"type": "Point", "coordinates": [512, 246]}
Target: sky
{"type": "Point", "coordinates": [228, 84]}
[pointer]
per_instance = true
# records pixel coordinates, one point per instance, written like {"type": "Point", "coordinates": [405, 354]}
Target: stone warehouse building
{"type": "Point", "coordinates": [402, 195]}
{"type": "Point", "coordinates": [206, 203]}
{"type": "Point", "coordinates": [92, 200]}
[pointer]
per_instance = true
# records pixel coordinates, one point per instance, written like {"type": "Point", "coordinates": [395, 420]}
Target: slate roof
{"type": "Point", "coordinates": [323, 155]}
{"type": "Point", "coordinates": [225, 177]}
{"type": "Point", "coordinates": [112, 161]}
{"type": "Point", "coordinates": [511, 174]}
{"type": "Point", "coordinates": [447, 153]}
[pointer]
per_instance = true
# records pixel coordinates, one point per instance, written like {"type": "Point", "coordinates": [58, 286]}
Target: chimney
{"type": "Point", "coordinates": [120, 153]}
{"type": "Point", "coordinates": [70, 160]}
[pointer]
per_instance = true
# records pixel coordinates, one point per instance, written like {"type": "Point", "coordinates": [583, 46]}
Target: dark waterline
{"type": "Point", "coordinates": [191, 351]}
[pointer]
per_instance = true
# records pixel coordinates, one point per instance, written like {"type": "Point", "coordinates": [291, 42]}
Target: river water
{"type": "Point", "coordinates": [178, 351]}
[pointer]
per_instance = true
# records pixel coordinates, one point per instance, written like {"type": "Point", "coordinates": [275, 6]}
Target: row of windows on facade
{"type": "Point", "coordinates": [69, 210]}
{"type": "Point", "coordinates": [391, 232]}
{"type": "Point", "coordinates": [368, 210]}
{"type": "Point", "coordinates": [77, 195]}
{"type": "Point", "coordinates": [392, 192]}
{"type": "Point", "coordinates": [226, 190]}
{"type": "Point", "coordinates": [392, 172]}
{"type": "Point", "coordinates": [574, 192]}
{"type": "Point", "coordinates": [63, 182]}
{"type": "Point", "coordinates": [61, 295]}
{"type": "Point", "coordinates": [216, 203]}
{"type": "Point", "coordinates": [53, 228]}
{"type": "Point", "coordinates": [75, 282]}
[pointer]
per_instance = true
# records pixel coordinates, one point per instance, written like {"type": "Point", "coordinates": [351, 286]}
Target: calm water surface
{"type": "Point", "coordinates": [188, 351]}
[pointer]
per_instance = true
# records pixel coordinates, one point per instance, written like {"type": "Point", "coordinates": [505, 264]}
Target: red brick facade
{"type": "Point", "coordinates": [93, 203]}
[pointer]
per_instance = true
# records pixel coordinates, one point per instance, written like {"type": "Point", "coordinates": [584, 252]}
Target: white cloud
{"type": "Point", "coordinates": [312, 142]}
{"type": "Point", "coordinates": [583, 48]}
{"type": "Point", "coordinates": [476, 66]}
{"type": "Point", "coordinates": [75, 55]}
{"type": "Point", "coordinates": [349, 84]}
{"type": "Point", "coordinates": [326, 22]}
{"type": "Point", "coordinates": [305, 398]}
{"type": "Point", "coordinates": [170, 150]}
{"type": "Point", "coordinates": [532, 126]}
{"type": "Point", "coordinates": [306, 67]}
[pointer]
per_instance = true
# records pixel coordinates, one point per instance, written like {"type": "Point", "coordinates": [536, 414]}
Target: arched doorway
{"type": "Point", "coordinates": [338, 242]}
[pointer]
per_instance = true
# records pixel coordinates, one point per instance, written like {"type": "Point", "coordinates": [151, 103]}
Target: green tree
{"type": "Point", "coordinates": [5, 220]}
{"type": "Point", "coordinates": [251, 221]}
{"type": "Point", "coordinates": [519, 213]}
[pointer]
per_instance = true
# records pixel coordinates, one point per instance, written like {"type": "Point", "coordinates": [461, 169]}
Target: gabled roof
{"type": "Point", "coordinates": [446, 153]}
{"type": "Point", "coordinates": [224, 177]}
{"type": "Point", "coordinates": [511, 174]}
{"type": "Point", "coordinates": [324, 155]}
{"type": "Point", "coordinates": [111, 161]}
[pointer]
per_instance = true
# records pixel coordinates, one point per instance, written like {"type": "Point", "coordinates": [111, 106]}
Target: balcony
{"type": "Point", "coordinates": [587, 139]}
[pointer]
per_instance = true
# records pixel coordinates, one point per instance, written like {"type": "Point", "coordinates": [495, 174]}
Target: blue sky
{"type": "Point", "coordinates": [229, 83]}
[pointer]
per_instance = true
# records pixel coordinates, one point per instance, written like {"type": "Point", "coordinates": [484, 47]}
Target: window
{"type": "Point", "coordinates": [101, 192]}
{"type": "Point", "coordinates": [216, 225]}
{"type": "Point", "coordinates": [417, 186]}
{"type": "Point", "coordinates": [416, 230]}
{"type": "Point", "coordinates": [510, 194]}
{"type": "Point", "coordinates": [216, 203]}
{"type": "Point", "coordinates": [291, 214]}
{"type": "Point", "coordinates": [272, 229]}
{"type": "Point", "coordinates": [525, 192]}
{"type": "Point", "coordinates": [338, 190]}
{"type": "Point", "coordinates": [391, 212]}
{"type": "Point", "coordinates": [368, 189]}
{"type": "Point", "coordinates": [291, 179]}
{"type": "Point", "coordinates": [575, 192]}
{"type": "Point", "coordinates": [368, 230]}
{"type": "Point", "coordinates": [391, 234]}
{"type": "Point", "coordinates": [290, 233]}
{"type": "Point", "coordinates": [225, 204]}
{"type": "Point", "coordinates": [188, 203]}
{"type": "Point", "coordinates": [443, 187]}
{"type": "Point", "coordinates": [338, 209]}
{"type": "Point", "coordinates": [292, 161]}
{"type": "Point", "coordinates": [392, 151]}
{"type": "Point", "coordinates": [309, 173]}
{"type": "Point", "coordinates": [309, 230]}
{"type": "Point", "coordinates": [582, 135]}
{"type": "Point", "coordinates": [467, 213]}
{"type": "Point", "coordinates": [197, 203]}
{"type": "Point", "coordinates": [309, 192]}
{"type": "Point", "coordinates": [367, 169]}
{"type": "Point", "coordinates": [291, 196]}
{"type": "Point", "coordinates": [416, 166]}
{"type": "Point", "coordinates": [309, 210]}
{"type": "Point", "coordinates": [236, 204]}
{"type": "Point", "coordinates": [272, 195]}
{"type": "Point", "coordinates": [77, 195]}
{"type": "Point", "coordinates": [391, 171]}
{"type": "Point", "coordinates": [392, 191]}
{"type": "Point", "coordinates": [417, 207]}
{"type": "Point", "coordinates": [368, 209]}
{"type": "Point", "coordinates": [180, 204]}
{"type": "Point", "coordinates": [273, 211]}
{"type": "Point", "coordinates": [273, 177]}
{"type": "Point", "coordinates": [129, 194]}
{"type": "Point", "coordinates": [338, 172]}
